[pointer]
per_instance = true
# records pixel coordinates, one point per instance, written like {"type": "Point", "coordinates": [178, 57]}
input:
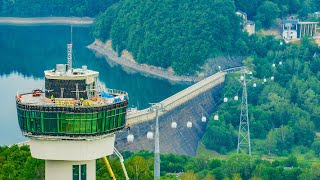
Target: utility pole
{"type": "Point", "coordinates": [156, 107]}
{"type": "Point", "coordinates": [244, 144]}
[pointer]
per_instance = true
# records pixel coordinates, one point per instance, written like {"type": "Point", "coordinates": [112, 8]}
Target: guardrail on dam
{"type": "Point", "coordinates": [179, 98]}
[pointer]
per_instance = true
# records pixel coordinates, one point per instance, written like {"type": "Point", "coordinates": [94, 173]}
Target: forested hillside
{"type": "Point", "coordinates": [184, 34]}
{"type": "Point", "coordinates": [265, 11]}
{"type": "Point", "coordinates": [37, 8]}
{"type": "Point", "coordinates": [17, 164]}
{"type": "Point", "coordinates": [170, 33]}
{"type": "Point", "coordinates": [284, 113]}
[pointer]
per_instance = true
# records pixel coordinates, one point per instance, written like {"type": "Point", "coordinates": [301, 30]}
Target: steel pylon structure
{"type": "Point", "coordinates": [157, 107]}
{"type": "Point", "coordinates": [244, 144]}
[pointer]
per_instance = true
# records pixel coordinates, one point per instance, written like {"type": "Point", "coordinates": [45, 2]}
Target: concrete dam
{"type": "Point", "coordinates": [189, 104]}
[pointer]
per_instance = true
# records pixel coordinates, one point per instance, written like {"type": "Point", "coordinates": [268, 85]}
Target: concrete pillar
{"type": "Point", "coordinates": [300, 29]}
{"type": "Point", "coordinates": [312, 30]}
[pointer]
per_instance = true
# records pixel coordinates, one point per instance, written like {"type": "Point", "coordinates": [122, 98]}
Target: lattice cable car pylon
{"type": "Point", "coordinates": [244, 144]}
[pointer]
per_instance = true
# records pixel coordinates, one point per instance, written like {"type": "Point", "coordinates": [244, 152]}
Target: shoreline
{"type": "Point", "coordinates": [127, 62]}
{"type": "Point", "coordinates": [46, 20]}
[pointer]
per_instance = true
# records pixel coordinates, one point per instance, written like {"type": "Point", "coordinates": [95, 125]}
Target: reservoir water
{"type": "Point", "coordinates": [26, 51]}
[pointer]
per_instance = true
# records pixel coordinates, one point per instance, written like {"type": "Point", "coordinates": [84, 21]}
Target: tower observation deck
{"type": "Point", "coordinates": [71, 123]}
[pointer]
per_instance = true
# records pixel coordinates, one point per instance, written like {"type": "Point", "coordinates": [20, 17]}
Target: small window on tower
{"type": "Point", "coordinates": [83, 172]}
{"type": "Point", "coordinates": [75, 172]}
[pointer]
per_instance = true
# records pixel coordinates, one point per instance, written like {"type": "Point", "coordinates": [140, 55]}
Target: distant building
{"type": "Point", "coordinates": [243, 17]}
{"type": "Point", "coordinates": [315, 14]}
{"type": "Point", "coordinates": [292, 29]}
{"type": "Point", "coordinates": [248, 26]}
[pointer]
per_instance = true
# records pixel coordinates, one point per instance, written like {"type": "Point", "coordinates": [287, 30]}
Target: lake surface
{"type": "Point", "coordinates": [26, 51]}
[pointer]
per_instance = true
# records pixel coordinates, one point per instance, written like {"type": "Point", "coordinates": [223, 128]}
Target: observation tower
{"type": "Point", "coordinates": [71, 123]}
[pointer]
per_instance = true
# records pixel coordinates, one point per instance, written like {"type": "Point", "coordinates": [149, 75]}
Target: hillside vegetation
{"type": "Point", "coordinates": [170, 33]}
{"type": "Point", "coordinates": [17, 164]}
{"type": "Point", "coordinates": [264, 12]}
{"type": "Point", "coordinates": [284, 113]}
{"type": "Point", "coordinates": [184, 34]}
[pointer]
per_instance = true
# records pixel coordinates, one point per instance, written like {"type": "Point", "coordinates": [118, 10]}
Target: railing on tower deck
{"type": "Point", "coordinates": [110, 91]}
{"type": "Point", "coordinates": [115, 91]}
{"type": "Point", "coordinates": [71, 122]}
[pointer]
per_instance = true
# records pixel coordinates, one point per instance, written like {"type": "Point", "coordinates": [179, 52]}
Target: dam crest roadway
{"type": "Point", "coordinates": [144, 115]}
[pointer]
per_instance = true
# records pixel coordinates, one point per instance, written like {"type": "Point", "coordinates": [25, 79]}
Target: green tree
{"type": "Point", "coordinates": [292, 173]}
{"type": "Point", "coordinates": [305, 175]}
{"type": "Point", "coordinates": [189, 175]}
{"type": "Point", "coordinates": [271, 141]}
{"type": "Point", "coordinates": [248, 63]}
{"type": "Point", "coordinates": [305, 10]}
{"type": "Point", "coordinates": [304, 132]}
{"type": "Point", "coordinates": [291, 161]}
{"type": "Point", "coordinates": [236, 177]}
{"type": "Point", "coordinates": [218, 173]}
{"type": "Point", "coordinates": [34, 169]}
{"type": "Point", "coordinates": [214, 163]}
{"type": "Point", "coordinates": [138, 168]}
{"type": "Point", "coordinates": [316, 147]}
{"type": "Point", "coordinates": [239, 164]}
{"type": "Point", "coordinates": [260, 171]}
{"type": "Point", "coordinates": [209, 177]}
{"type": "Point", "coordinates": [218, 137]}
{"type": "Point", "coordinates": [255, 178]}
{"type": "Point", "coordinates": [248, 6]}
{"type": "Point", "coordinates": [315, 169]}
{"type": "Point", "coordinates": [267, 12]}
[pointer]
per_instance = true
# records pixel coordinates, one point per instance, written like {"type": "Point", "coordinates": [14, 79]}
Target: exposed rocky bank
{"type": "Point", "coordinates": [130, 65]}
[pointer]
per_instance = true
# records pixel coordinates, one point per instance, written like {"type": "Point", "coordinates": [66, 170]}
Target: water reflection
{"type": "Point", "coordinates": [26, 51]}
{"type": "Point", "coordinates": [10, 84]}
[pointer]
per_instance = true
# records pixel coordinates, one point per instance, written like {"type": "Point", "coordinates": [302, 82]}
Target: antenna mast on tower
{"type": "Point", "coordinates": [69, 56]}
{"type": "Point", "coordinates": [244, 144]}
